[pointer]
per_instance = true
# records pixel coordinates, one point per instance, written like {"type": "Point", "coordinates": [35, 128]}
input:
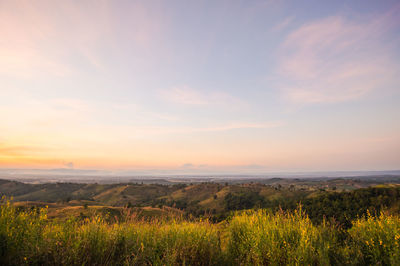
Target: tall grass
{"type": "Point", "coordinates": [30, 238]}
{"type": "Point", "coordinates": [377, 240]}
{"type": "Point", "coordinates": [248, 238]}
{"type": "Point", "coordinates": [261, 238]}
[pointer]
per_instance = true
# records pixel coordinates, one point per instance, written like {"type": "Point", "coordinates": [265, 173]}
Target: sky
{"type": "Point", "coordinates": [200, 86]}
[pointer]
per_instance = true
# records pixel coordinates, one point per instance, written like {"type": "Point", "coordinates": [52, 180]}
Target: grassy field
{"type": "Point", "coordinates": [253, 237]}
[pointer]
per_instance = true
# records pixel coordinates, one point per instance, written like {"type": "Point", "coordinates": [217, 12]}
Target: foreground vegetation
{"type": "Point", "coordinates": [255, 237]}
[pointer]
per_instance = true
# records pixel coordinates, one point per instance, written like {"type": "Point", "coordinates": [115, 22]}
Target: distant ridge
{"type": "Point", "coordinates": [100, 176]}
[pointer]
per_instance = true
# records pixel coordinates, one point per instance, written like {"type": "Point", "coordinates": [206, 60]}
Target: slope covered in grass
{"type": "Point", "coordinates": [248, 238]}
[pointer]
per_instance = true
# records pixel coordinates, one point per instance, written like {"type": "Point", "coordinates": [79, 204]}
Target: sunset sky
{"type": "Point", "coordinates": [200, 86]}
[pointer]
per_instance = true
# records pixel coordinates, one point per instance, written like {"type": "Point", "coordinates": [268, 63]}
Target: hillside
{"type": "Point", "coordinates": [320, 199]}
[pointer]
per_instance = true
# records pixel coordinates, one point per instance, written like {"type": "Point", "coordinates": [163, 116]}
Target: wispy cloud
{"type": "Point", "coordinates": [28, 36]}
{"type": "Point", "coordinates": [144, 131]}
{"type": "Point", "coordinates": [189, 96]}
{"type": "Point", "coordinates": [7, 150]}
{"type": "Point", "coordinates": [33, 114]}
{"type": "Point", "coordinates": [142, 113]}
{"type": "Point", "coordinates": [47, 38]}
{"type": "Point", "coordinates": [69, 165]}
{"type": "Point", "coordinates": [33, 155]}
{"type": "Point", "coordinates": [188, 165]}
{"type": "Point", "coordinates": [240, 126]}
{"type": "Point", "coordinates": [336, 59]}
{"type": "Point", "coordinates": [283, 24]}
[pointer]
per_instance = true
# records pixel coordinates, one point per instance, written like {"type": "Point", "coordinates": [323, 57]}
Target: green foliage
{"type": "Point", "coordinates": [261, 238]}
{"type": "Point", "coordinates": [346, 206]}
{"type": "Point", "coordinates": [28, 237]}
{"type": "Point", "coordinates": [242, 200]}
{"type": "Point", "coordinates": [377, 239]}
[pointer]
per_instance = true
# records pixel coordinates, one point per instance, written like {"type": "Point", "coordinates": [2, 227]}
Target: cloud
{"type": "Point", "coordinates": [191, 166]}
{"type": "Point", "coordinates": [253, 166]}
{"type": "Point", "coordinates": [145, 131]}
{"type": "Point", "coordinates": [17, 155]}
{"type": "Point", "coordinates": [188, 96]}
{"type": "Point", "coordinates": [46, 38]}
{"type": "Point", "coordinates": [283, 24]}
{"type": "Point", "coordinates": [336, 59]}
{"type": "Point", "coordinates": [35, 115]}
{"type": "Point", "coordinates": [11, 151]}
{"type": "Point", "coordinates": [28, 41]}
{"type": "Point", "coordinates": [239, 126]}
{"type": "Point", "coordinates": [69, 165]}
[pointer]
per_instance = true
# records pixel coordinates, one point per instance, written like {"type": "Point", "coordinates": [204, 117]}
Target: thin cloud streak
{"type": "Point", "coordinates": [11, 151]}
{"type": "Point", "coordinates": [283, 24]}
{"type": "Point", "coordinates": [145, 131]}
{"type": "Point", "coordinates": [186, 95]}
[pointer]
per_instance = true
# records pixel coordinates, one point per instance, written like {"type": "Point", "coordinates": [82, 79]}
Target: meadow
{"type": "Point", "coordinates": [250, 237]}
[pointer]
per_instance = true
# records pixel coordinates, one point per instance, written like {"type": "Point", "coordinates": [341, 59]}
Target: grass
{"type": "Point", "coordinates": [248, 238]}
{"type": "Point", "coordinates": [377, 239]}
{"type": "Point", "coordinates": [262, 238]}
